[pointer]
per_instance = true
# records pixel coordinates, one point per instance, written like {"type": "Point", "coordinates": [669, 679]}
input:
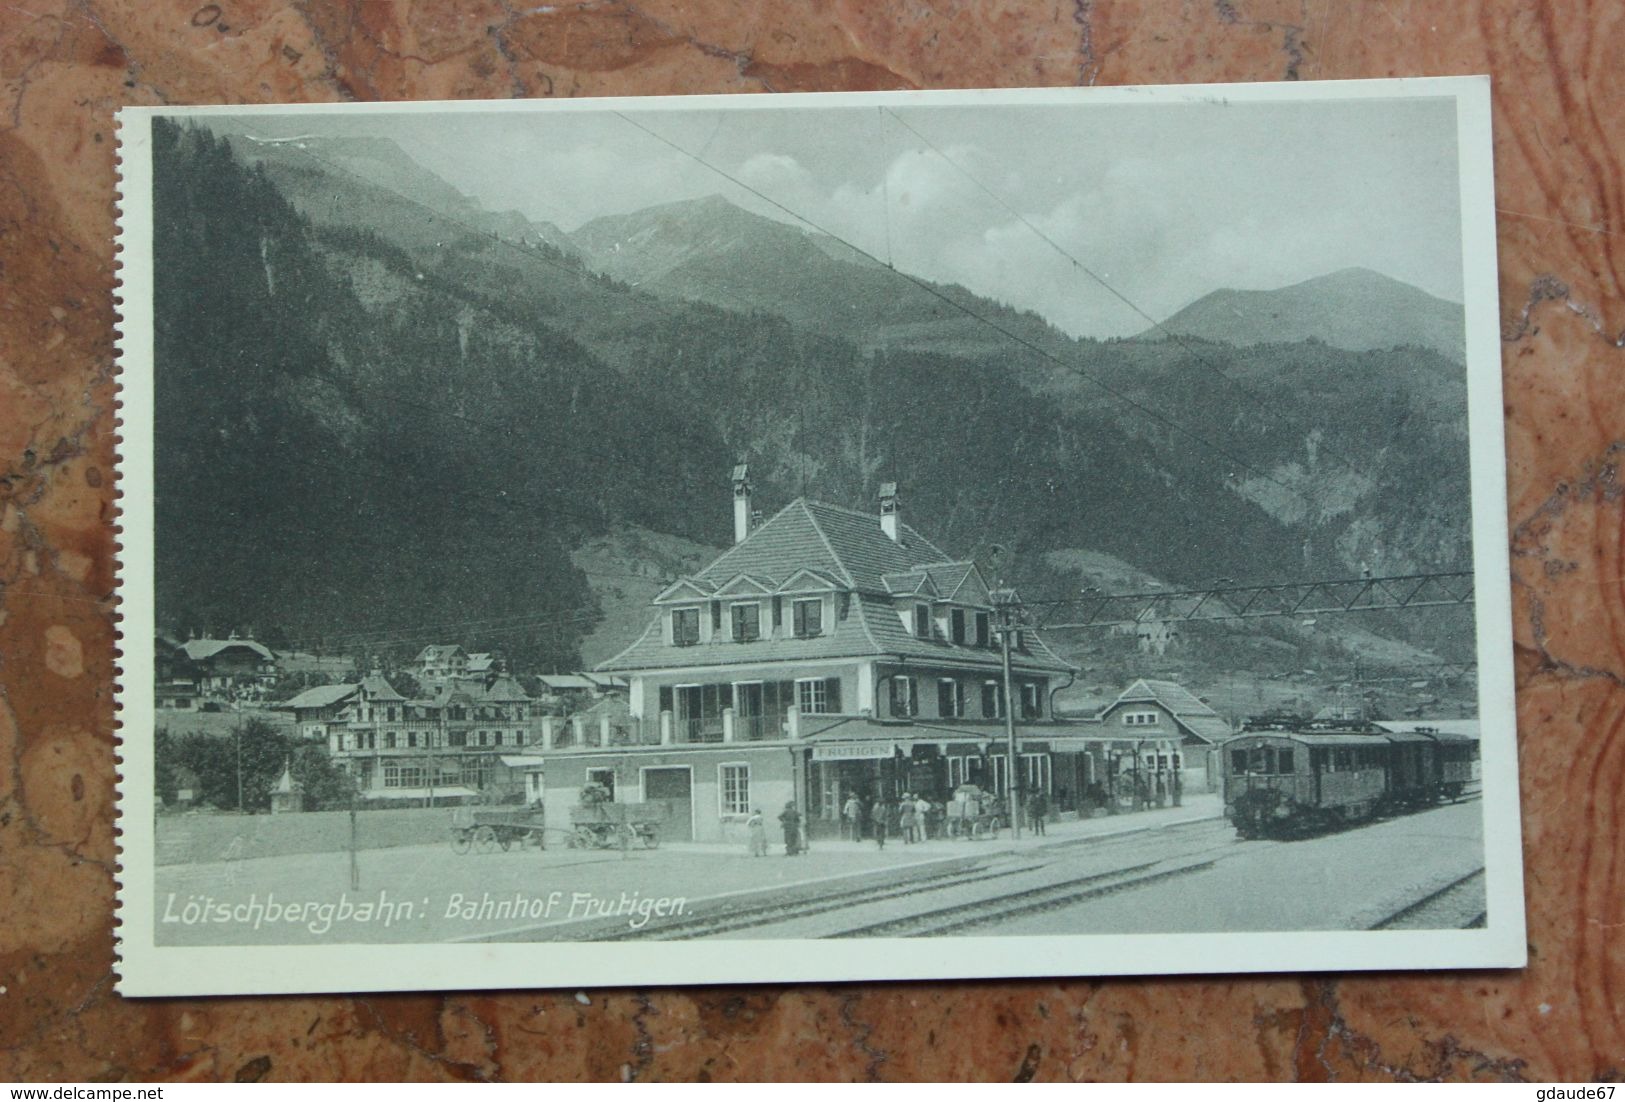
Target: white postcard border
{"type": "Point", "coordinates": [147, 969]}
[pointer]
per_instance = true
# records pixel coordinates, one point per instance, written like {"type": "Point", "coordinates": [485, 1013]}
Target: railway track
{"type": "Point", "coordinates": [961, 917]}
{"type": "Point", "coordinates": [1458, 905]}
{"type": "Point", "coordinates": [1014, 888]}
{"type": "Point", "coordinates": [766, 913]}
{"type": "Point", "coordinates": [777, 911]}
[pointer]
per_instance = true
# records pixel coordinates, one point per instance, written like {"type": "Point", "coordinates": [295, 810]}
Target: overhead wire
{"type": "Point", "coordinates": [1011, 335]}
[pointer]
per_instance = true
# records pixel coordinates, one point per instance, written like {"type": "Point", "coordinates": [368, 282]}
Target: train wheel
{"type": "Point", "coordinates": [461, 841]}
{"type": "Point", "coordinates": [485, 840]}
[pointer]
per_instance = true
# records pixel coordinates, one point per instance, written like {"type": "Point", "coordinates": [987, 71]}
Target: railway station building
{"type": "Point", "coordinates": [830, 653]}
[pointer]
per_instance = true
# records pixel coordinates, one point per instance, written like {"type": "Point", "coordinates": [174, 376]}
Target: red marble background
{"type": "Point", "coordinates": [66, 65]}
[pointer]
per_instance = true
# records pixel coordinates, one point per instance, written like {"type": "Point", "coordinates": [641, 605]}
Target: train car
{"type": "Point", "coordinates": [1284, 778]}
{"type": "Point", "coordinates": [1458, 762]}
{"type": "Point", "coordinates": [1281, 782]}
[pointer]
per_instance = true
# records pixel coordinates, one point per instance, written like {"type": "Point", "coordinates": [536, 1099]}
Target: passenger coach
{"type": "Point", "coordinates": [1282, 778]}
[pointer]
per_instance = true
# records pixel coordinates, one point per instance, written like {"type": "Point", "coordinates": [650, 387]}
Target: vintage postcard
{"type": "Point", "coordinates": [776, 538]}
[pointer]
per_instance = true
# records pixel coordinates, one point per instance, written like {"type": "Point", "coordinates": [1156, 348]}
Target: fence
{"type": "Point", "coordinates": [193, 839]}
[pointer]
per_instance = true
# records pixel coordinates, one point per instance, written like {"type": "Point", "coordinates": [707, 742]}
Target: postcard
{"type": "Point", "coordinates": [813, 538]}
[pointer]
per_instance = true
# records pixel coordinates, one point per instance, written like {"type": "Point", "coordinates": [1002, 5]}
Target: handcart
{"type": "Point", "coordinates": [609, 825]}
{"type": "Point", "coordinates": [485, 829]}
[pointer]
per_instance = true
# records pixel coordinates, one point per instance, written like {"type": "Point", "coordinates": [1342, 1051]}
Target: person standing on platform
{"type": "Point", "coordinates": [1037, 811]}
{"type": "Point", "coordinates": [923, 810]}
{"type": "Point", "coordinates": [905, 818]}
{"type": "Point", "coordinates": [878, 813]}
{"type": "Point", "coordinates": [790, 819]}
{"type": "Point", "coordinates": [756, 826]}
{"type": "Point", "coordinates": [852, 817]}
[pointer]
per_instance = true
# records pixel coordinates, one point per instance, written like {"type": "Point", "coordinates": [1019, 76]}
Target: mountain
{"type": "Point", "coordinates": [709, 250]}
{"type": "Point", "coordinates": [1354, 308]}
{"type": "Point", "coordinates": [375, 418]}
{"type": "Point", "coordinates": [388, 180]}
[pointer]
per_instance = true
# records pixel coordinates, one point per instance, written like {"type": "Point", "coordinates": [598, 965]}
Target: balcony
{"type": "Point", "coordinates": [759, 728]}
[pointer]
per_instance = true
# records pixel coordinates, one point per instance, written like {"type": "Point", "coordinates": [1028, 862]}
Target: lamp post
{"type": "Point", "coordinates": [1004, 600]}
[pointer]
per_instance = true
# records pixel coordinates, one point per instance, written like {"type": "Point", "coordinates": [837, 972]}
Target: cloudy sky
{"type": "Point", "coordinates": [1162, 203]}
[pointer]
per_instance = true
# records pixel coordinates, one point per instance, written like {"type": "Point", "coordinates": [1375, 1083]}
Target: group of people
{"type": "Point", "coordinates": [912, 817]}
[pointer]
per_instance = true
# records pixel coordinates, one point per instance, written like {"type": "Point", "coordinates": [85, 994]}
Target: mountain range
{"type": "Point", "coordinates": [1354, 308]}
{"type": "Point", "coordinates": [381, 405]}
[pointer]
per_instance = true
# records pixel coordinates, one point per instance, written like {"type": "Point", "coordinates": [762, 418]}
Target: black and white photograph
{"type": "Point", "coordinates": [813, 537]}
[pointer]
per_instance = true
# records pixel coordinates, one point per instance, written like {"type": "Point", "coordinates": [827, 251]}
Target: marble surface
{"type": "Point", "coordinates": [66, 65]}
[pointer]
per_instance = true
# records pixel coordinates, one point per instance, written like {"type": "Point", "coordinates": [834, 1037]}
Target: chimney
{"type": "Point", "coordinates": [742, 516]}
{"type": "Point", "coordinates": [888, 511]}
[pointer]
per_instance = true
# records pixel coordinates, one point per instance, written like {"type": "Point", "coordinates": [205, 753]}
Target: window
{"type": "Point", "coordinates": [392, 776]}
{"type": "Point", "coordinates": [389, 740]}
{"type": "Point", "coordinates": [922, 621]}
{"type": "Point", "coordinates": [733, 787]}
{"type": "Point", "coordinates": [1238, 761]}
{"type": "Point", "coordinates": [819, 696]}
{"type": "Point", "coordinates": [1032, 700]}
{"type": "Point", "coordinates": [903, 702]}
{"type": "Point", "coordinates": [809, 618]}
{"type": "Point", "coordinates": [605, 777]}
{"type": "Point", "coordinates": [1140, 719]}
{"type": "Point", "coordinates": [956, 625]}
{"type": "Point", "coordinates": [685, 627]}
{"type": "Point", "coordinates": [459, 738]}
{"type": "Point", "coordinates": [747, 622]}
{"type": "Point", "coordinates": [1283, 762]}
{"type": "Point", "coordinates": [950, 699]}
{"type": "Point", "coordinates": [1036, 768]}
{"type": "Point", "coordinates": [984, 630]}
{"type": "Point", "coordinates": [992, 700]}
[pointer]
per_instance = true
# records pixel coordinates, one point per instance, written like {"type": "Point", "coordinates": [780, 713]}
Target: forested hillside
{"type": "Point", "coordinates": [376, 416]}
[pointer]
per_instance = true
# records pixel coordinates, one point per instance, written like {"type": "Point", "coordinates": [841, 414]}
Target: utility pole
{"type": "Point", "coordinates": [1005, 601]}
{"type": "Point", "coordinates": [238, 731]}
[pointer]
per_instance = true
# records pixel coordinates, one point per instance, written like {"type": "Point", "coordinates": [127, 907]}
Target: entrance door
{"type": "Point", "coordinates": [673, 787]}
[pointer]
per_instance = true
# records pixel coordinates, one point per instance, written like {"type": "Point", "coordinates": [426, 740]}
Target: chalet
{"type": "Point", "coordinates": [447, 744]}
{"type": "Point", "coordinates": [176, 677]}
{"type": "Point", "coordinates": [1149, 706]}
{"type": "Point", "coordinates": [230, 668]}
{"type": "Point", "coordinates": [439, 662]}
{"type": "Point", "coordinates": [827, 653]}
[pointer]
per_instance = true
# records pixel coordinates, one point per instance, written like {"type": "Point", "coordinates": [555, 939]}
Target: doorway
{"type": "Point", "coordinates": [672, 786]}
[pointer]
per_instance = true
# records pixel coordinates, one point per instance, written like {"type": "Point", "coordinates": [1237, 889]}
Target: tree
{"type": "Point", "coordinates": [326, 785]}
{"type": "Point", "coordinates": [259, 749]}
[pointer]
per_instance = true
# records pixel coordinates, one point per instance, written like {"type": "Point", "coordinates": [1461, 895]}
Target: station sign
{"type": "Point", "coordinates": [853, 751]}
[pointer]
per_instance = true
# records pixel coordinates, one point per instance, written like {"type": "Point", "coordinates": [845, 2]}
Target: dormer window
{"type": "Point", "coordinates": [922, 621]}
{"type": "Point", "coordinates": [984, 630]}
{"type": "Point", "coordinates": [685, 627]}
{"type": "Point", "coordinates": [956, 625]}
{"type": "Point", "coordinates": [809, 618]}
{"type": "Point", "coordinates": [747, 622]}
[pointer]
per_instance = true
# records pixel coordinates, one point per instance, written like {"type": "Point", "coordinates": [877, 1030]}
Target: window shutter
{"type": "Point", "coordinates": [716, 615]}
{"type": "Point", "coordinates": [778, 612]}
{"type": "Point", "coordinates": [832, 694]}
{"type": "Point", "coordinates": [665, 698]}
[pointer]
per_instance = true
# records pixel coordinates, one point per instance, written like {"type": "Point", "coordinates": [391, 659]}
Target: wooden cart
{"type": "Point", "coordinates": [973, 814]}
{"type": "Point", "coordinates": [485, 829]}
{"type": "Point", "coordinates": [611, 825]}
